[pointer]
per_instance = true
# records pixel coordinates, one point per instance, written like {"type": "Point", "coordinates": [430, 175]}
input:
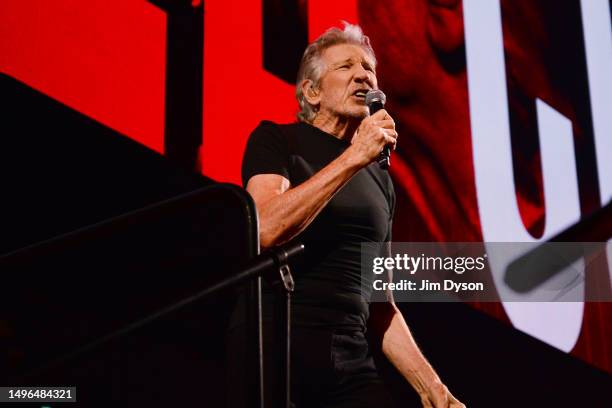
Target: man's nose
{"type": "Point", "coordinates": [363, 75]}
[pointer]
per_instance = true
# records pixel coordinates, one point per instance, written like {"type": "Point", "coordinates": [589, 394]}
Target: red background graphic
{"type": "Point", "coordinates": [107, 60]}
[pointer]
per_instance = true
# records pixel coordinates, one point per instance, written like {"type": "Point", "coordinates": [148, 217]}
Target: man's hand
{"type": "Point", "coordinates": [374, 133]}
{"type": "Point", "coordinates": [440, 397]}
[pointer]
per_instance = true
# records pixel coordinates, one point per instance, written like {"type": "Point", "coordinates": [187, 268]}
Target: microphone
{"type": "Point", "coordinates": [375, 99]}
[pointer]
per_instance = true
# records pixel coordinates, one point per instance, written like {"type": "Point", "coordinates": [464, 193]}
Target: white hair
{"type": "Point", "coordinates": [311, 66]}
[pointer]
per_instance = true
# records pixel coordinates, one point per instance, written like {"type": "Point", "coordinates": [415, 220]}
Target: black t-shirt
{"type": "Point", "coordinates": [328, 289]}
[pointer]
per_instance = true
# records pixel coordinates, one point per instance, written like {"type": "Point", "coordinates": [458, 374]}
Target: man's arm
{"type": "Point", "coordinates": [399, 347]}
{"type": "Point", "coordinates": [284, 212]}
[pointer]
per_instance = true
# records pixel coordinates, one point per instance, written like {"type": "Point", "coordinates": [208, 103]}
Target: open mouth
{"type": "Point", "coordinates": [360, 93]}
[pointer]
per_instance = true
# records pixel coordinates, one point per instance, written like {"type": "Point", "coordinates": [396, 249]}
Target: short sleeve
{"type": "Point", "coordinates": [266, 153]}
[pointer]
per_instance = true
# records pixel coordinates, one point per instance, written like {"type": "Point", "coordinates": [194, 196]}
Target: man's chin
{"type": "Point", "coordinates": [360, 113]}
{"type": "Point", "coordinates": [357, 113]}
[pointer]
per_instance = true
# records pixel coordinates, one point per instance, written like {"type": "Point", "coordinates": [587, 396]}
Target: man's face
{"type": "Point", "coordinates": [348, 74]}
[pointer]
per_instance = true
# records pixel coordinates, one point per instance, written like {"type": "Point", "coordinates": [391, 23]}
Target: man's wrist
{"type": "Point", "coordinates": [431, 380]}
{"type": "Point", "coordinates": [426, 381]}
{"type": "Point", "coordinates": [353, 159]}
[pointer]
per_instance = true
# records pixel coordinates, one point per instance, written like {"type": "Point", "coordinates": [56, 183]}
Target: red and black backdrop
{"type": "Point", "coordinates": [191, 79]}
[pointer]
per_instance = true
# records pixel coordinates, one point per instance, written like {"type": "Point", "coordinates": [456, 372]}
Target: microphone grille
{"type": "Point", "coordinates": [375, 95]}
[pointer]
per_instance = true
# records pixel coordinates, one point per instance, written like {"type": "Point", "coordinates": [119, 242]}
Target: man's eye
{"type": "Point", "coordinates": [345, 66]}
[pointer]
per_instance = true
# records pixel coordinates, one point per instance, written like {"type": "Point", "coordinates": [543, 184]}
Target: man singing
{"type": "Point", "coordinates": [318, 182]}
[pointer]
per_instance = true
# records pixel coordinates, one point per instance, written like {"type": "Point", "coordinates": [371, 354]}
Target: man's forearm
{"type": "Point", "coordinates": [399, 347]}
{"type": "Point", "coordinates": [286, 215]}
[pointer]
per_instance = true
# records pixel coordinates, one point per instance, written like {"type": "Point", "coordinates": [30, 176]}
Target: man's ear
{"type": "Point", "coordinates": [311, 92]}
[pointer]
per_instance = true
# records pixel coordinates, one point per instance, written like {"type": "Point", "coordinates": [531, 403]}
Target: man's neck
{"type": "Point", "coordinates": [342, 128]}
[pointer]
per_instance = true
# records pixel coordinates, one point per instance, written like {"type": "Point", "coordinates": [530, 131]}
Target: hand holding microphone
{"type": "Point", "coordinates": [375, 99]}
{"type": "Point", "coordinates": [376, 134]}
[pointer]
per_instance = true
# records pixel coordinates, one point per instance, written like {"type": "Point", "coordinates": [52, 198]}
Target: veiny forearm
{"type": "Point", "coordinates": [399, 347]}
{"type": "Point", "coordinates": [287, 214]}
